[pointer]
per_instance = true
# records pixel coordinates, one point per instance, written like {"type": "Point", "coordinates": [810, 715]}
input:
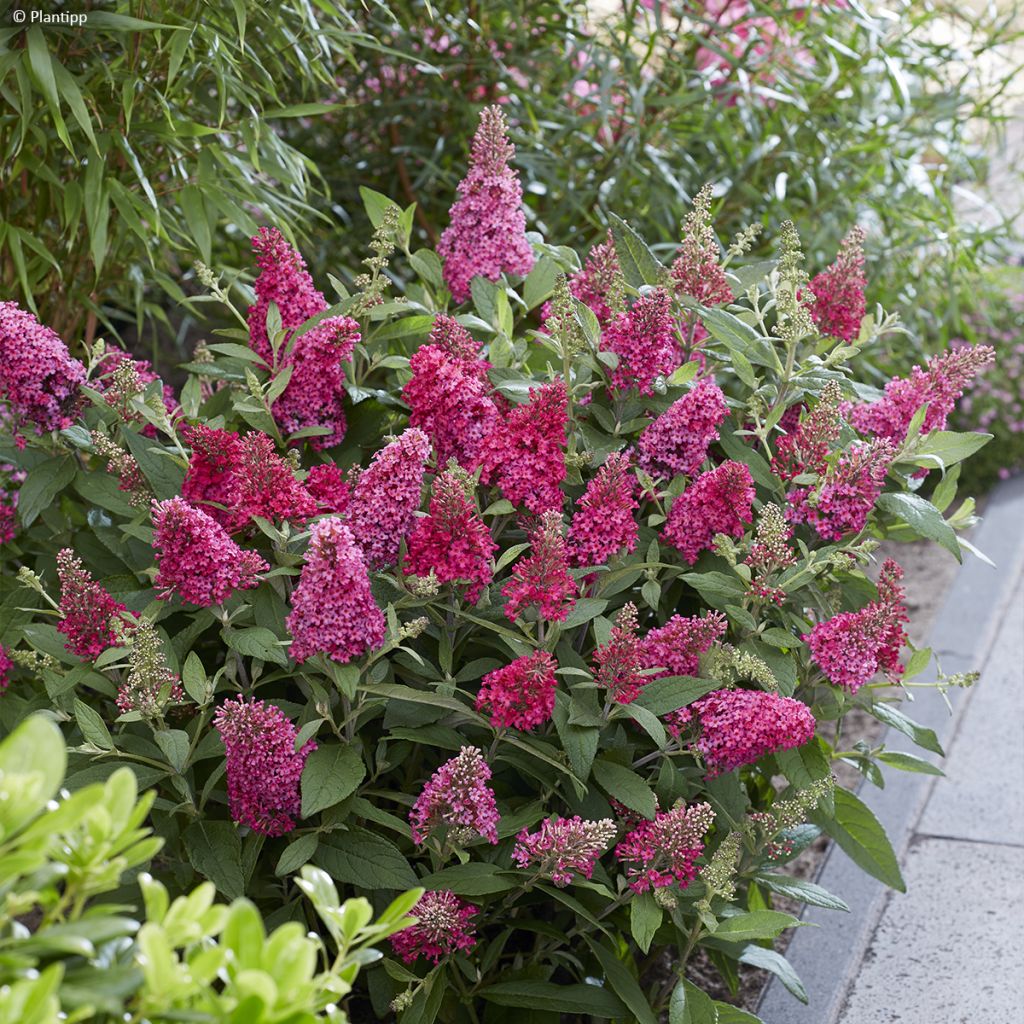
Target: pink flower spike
{"type": "Point", "coordinates": [525, 455]}
{"type": "Point", "coordinates": [562, 847]}
{"type": "Point", "coordinates": [487, 233]}
{"type": "Point", "coordinates": [839, 303]}
{"type": "Point", "coordinates": [676, 647]}
{"type": "Point", "coordinates": [719, 501]}
{"type": "Point", "coordinates": [852, 647]}
{"type": "Point", "coordinates": [662, 852]}
{"type": "Point", "coordinates": [452, 541]}
{"type": "Point", "coordinates": [520, 695]}
{"type": "Point", "coordinates": [739, 727]}
{"type": "Point", "coordinates": [86, 609]}
{"type": "Point", "coordinates": [263, 766]}
{"type": "Point", "coordinates": [542, 580]}
{"type": "Point", "coordinates": [196, 558]}
{"type": "Point", "coordinates": [604, 524]}
{"type": "Point", "coordinates": [38, 378]}
{"type": "Point", "coordinates": [677, 441]}
{"type": "Point", "coordinates": [619, 664]}
{"type": "Point", "coordinates": [696, 271]}
{"type": "Point", "coordinates": [5, 669]}
{"type": "Point", "coordinates": [442, 928]}
{"type": "Point", "coordinates": [644, 339]}
{"type": "Point", "coordinates": [387, 496]}
{"type": "Point", "coordinates": [333, 611]}
{"type": "Point", "coordinates": [458, 799]}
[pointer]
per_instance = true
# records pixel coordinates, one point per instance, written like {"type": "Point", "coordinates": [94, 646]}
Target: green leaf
{"type": "Point", "coordinates": [670, 693]}
{"type": "Point", "coordinates": [922, 517]}
{"type": "Point", "coordinates": [625, 786]}
{"type": "Point", "coordinates": [296, 854]}
{"type": "Point", "coordinates": [194, 208]}
{"type": "Point", "coordinates": [769, 960]}
{"type": "Point", "coordinates": [193, 678]}
{"type": "Point", "coordinates": [94, 729]}
{"type": "Point", "coordinates": [164, 475]}
{"type": "Point", "coordinates": [639, 265]}
{"type": "Point", "coordinates": [365, 859]}
{"type": "Point", "coordinates": [215, 850]}
{"type": "Point", "coordinates": [728, 1014]}
{"type": "Point", "coordinates": [645, 918]}
{"type": "Point", "coordinates": [805, 765]}
{"type": "Point", "coordinates": [42, 485]}
{"type": "Point", "coordinates": [256, 642]}
{"type": "Point", "coordinates": [543, 995]}
{"type": "Point", "coordinates": [859, 834]}
{"type": "Point", "coordinates": [909, 763]}
{"type": "Point", "coordinates": [716, 588]}
{"type": "Point", "coordinates": [540, 282]}
{"type": "Point", "coordinates": [175, 745]}
{"type": "Point", "coordinates": [754, 925]}
{"type": "Point", "coordinates": [331, 774]}
{"type": "Point", "coordinates": [585, 609]}
{"type": "Point", "coordinates": [922, 736]}
{"type": "Point", "coordinates": [799, 889]}
{"type": "Point", "coordinates": [472, 879]}
{"type": "Point", "coordinates": [945, 448]}
{"type": "Point", "coordinates": [624, 984]}
{"type": "Point", "coordinates": [689, 1005]}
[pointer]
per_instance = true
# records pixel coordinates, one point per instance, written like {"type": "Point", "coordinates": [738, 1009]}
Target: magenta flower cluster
{"type": "Point", "coordinates": [457, 799]}
{"type": "Point", "coordinates": [852, 647]}
{"type": "Point", "coordinates": [38, 378]}
{"type": "Point", "coordinates": [738, 727]}
{"type": "Point", "coordinates": [838, 291]}
{"type": "Point", "coordinates": [564, 847]}
{"type": "Point", "coordinates": [718, 501]}
{"type": "Point", "coordinates": [645, 342]}
{"type": "Point", "coordinates": [263, 766]}
{"type": "Point", "coordinates": [86, 609]}
{"type": "Point", "coordinates": [333, 611]}
{"type": "Point", "coordinates": [541, 580]}
{"type": "Point", "coordinates": [443, 927]}
{"type": "Point", "coordinates": [604, 524]}
{"type": "Point", "coordinates": [677, 441]}
{"type": "Point", "coordinates": [195, 557]}
{"type": "Point", "coordinates": [487, 234]}
{"type": "Point", "coordinates": [663, 852]}
{"type": "Point", "coordinates": [520, 695]}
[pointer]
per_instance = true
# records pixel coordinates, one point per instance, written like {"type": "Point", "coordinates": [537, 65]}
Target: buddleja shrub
{"type": "Point", "coordinates": [541, 586]}
{"type": "Point", "coordinates": [66, 956]}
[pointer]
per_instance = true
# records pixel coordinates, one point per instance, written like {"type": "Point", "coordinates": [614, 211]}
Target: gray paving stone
{"type": "Point", "coordinates": [984, 790]}
{"type": "Point", "coordinates": [948, 952]}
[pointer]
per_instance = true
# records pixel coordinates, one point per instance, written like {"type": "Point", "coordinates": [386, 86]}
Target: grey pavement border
{"type": "Point", "coordinates": [827, 956]}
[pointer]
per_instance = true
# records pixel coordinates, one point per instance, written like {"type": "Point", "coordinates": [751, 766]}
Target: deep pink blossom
{"type": "Point", "coordinates": [677, 441]}
{"type": "Point", "coordinates": [452, 541]}
{"type": "Point", "coordinates": [738, 727]}
{"type": "Point", "coordinates": [644, 339]}
{"type": "Point", "coordinates": [333, 611]}
{"type": "Point", "coordinates": [846, 494]}
{"type": "Point", "coordinates": [939, 385]}
{"type": "Point", "coordinates": [595, 282]}
{"type": "Point", "coordinates": [442, 927]}
{"type": "Point", "coordinates": [5, 669]}
{"type": "Point", "coordinates": [326, 483]}
{"type": "Point", "coordinates": [314, 395]}
{"type": "Point", "coordinates": [852, 647]}
{"type": "Point", "coordinates": [719, 501]}
{"type": "Point", "coordinates": [604, 523]}
{"type": "Point", "coordinates": [448, 393]}
{"type": "Point", "coordinates": [38, 378]}
{"type": "Point", "coordinates": [619, 664]}
{"type": "Point", "coordinates": [676, 647]}
{"type": "Point", "coordinates": [458, 799]}
{"type": "Point", "coordinates": [663, 852]}
{"type": "Point", "coordinates": [525, 454]}
{"type": "Point", "coordinates": [487, 233]}
{"type": "Point", "coordinates": [520, 695]}
{"type": "Point", "coordinates": [263, 766]}
{"type": "Point", "coordinates": [697, 271]}
{"type": "Point", "coordinates": [839, 303]}
{"type": "Point", "coordinates": [142, 370]}
{"type": "Point", "coordinates": [86, 609]}
{"type": "Point", "coordinates": [211, 480]}
{"type": "Point", "coordinates": [541, 580]}
{"type": "Point", "coordinates": [805, 447]}
{"type": "Point", "coordinates": [563, 847]}
{"type": "Point", "coordinates": [267, 484]}
{"type": "Point", "coordinates": [387, 496]}
{"type": "Point", "coordinates": [195, 557]}
{"type": "Point", "coordinates": [11, 479]}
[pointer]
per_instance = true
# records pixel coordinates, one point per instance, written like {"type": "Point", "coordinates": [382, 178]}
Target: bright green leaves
{"type": "Point", "coordinates": [331, 774]}
{"type": "Point", "coordinates": [921, 517]}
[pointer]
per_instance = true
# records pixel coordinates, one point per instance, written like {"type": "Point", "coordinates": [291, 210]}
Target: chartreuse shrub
{"type": "Point", "coordinates": [64, 955]}
{"type": "Point", "coordinates": [543, 586]}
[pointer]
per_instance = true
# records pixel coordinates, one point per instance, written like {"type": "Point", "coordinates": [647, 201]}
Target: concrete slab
{"type": "Point", "coordinates": [949, 950]}
{"type": "Point", "coordinates": [983, 793]}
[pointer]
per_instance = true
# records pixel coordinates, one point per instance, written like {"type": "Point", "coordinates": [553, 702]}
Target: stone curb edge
{"type": "Point", "coordinates": [827, 957]}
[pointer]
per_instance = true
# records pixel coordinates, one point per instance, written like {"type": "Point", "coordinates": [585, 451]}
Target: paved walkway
{"type": "Point", "coordinates": [949, 950]}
